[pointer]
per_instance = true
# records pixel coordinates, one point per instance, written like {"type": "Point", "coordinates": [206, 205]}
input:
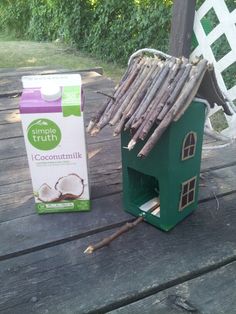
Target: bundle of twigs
{"type": "Point", "coordinates": [152, 93]}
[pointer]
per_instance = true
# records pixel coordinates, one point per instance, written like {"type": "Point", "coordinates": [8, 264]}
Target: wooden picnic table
{"type": "Point", "coordinates": [42, 265]}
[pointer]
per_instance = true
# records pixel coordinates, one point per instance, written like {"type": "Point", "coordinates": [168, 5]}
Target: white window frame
{"type": "Point", "coordinates": [184, 147]}
{"type": "Point", "coordinates": [186, 193]}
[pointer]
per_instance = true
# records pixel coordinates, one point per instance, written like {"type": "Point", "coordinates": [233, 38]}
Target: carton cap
{"type": "Point", "coordinates": [50, 92]}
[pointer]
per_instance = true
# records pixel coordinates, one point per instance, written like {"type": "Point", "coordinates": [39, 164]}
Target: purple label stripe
{"type": "Point", "coordinates": [32, 102]}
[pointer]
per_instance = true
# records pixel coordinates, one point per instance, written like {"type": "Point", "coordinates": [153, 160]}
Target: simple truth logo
{"type": "Point", "coordinates": [44, 134]}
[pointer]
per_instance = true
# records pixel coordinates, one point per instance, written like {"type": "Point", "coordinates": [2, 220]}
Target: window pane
{"type": "Point", "coordinates": [192, 139]}
{"type": "Point", "coordinates": [187, 142]}
{"type": "Point", "coordinates": [192, 184]}
{"type": "Point", "coordinates": [186, 152]}
{"type": "Point", "coordinates": [185, 188]}
{"type": "Point", "coordinates": [184, 200]}
{"type": "Point", "coordinates": [190, 196]}
{"type": "Point", "coordinates": [191, 151]}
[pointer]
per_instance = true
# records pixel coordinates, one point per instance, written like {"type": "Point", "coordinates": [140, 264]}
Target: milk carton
{"type": "Point", "coordinates": [53, 127]}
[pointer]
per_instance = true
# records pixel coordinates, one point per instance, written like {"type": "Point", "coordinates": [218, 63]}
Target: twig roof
{"type": "Point", "coordinates": [152, 92]}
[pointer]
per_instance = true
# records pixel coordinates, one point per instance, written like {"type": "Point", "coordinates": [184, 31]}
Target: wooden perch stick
{"type": "Point", "coordinates": [106, 241]}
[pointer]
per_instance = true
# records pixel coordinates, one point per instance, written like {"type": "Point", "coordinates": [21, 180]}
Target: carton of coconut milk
{"type": "Point", "coordinates": [53, 126]}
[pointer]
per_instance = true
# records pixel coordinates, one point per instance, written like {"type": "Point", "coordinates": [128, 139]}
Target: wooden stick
{"type": "Point", "coordinates": [177, 86]}
{"type": "Point", "coordinates": [156, 81]}
{"type": "Point", "coordinates": [139, 124]}
{"type": "Point", "coordinates": [160, 102]}
{"type": "Point", "coordinates": [133, 88]}
{"type": "Point", "coordinates": [153, 78]}
{"type": "Point", "coordinates": [105, 94]}
{"type": "Point", "coordinates": [129, 70]}
{"type": "Point", "coordinates": [151, 109]}
{"type": "Point", "coordinates": [143, 87]}
{"type": "Point", "coordinates": [135, 100]}
{"type": "Point", "coordinates": [103, 115]}
{"type": "Point", "coordinates": [98, 115]}
{"type": "Point", "coordinates": [106, 241]}
{"type": "Point", "coordinates": [152, 92]}
{"type": "Point", "coordinates": [124, 89]}
{"type": "Point", "coordinates": [190, 96]}
{"type": "Point", "coordinates": [182, 102]}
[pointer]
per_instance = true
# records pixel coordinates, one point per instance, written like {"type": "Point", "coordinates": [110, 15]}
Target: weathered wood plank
{"type": "Point", "coordinates": [10, 125]}
{"type": "Point", "coordinates": [103, 164]}
{"type": "Point", "coordinates": [218, 158]}
{"type": "Point", "coordinates": [35, 230]}
{"type": "Point", "coordinates": [213, 292]}
{"type": "Point", "coordinates": [42, 70]}
{"type": "Point", "coordinates": [7, 103]}
{"type": "Point", "coordinates": [13, 85]}
{"type": "Point", "coordinates": [91, 96]}
{"type": "Point", "coordinates": [16, 197]}
{"type": "Point", "coordinates": [144, 261]}
{"type": "Point", "coordinates": [106, 179]}
{"type": "Point", "coordinates": [10, 130]}
{"type": "Point", "coordinates": [14, 130]}
{"type": "Point", "coordinates": [212, 159]}
{"type": "Point", "coordinates": [16, 204]}
{"type": "Point", "coordinates": [182, 27]}
{"type": "Point", "coordinates": [105, 169]}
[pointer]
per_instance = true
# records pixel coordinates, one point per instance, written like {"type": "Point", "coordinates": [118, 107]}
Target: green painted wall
{"type": "Point", "coordinates": [163, 171]}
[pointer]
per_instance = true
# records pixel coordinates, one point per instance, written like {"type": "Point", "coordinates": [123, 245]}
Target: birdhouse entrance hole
{"type": "Point", "coordinates": [144, 192]}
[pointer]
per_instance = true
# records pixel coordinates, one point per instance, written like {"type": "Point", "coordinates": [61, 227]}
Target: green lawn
{"type": "Point", "coordinates": [19, 53]}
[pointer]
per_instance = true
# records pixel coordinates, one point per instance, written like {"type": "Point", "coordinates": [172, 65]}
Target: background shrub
{"type": "Point", "coordinates": [15, 16]}
{"type": "Point", "coordinates": [110, 29]}
{"type": "Point", "coordinates": [122, 27]}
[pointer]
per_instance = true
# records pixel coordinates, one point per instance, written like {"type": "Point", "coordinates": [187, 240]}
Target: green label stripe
{"type": "Point", "coordinates": [66, 206]}
{"type": "Point", "coordinates": [71, 101]}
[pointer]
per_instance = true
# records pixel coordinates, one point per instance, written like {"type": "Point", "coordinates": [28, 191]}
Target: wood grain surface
{"type": "Point", "coordinates": [42, 265]}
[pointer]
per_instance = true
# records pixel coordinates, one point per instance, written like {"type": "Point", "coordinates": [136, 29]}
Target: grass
{"type": "Point", "coordinates": [18, 53]}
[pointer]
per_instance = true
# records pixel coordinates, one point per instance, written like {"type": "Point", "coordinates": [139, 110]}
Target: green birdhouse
{"type": "Point", "coordinates": [163, 187]}
{"type": "Point", "coordinates": [161, 125]}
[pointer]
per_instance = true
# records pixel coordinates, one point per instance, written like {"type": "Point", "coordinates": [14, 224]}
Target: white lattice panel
{"type": "Point", "coordinates": [226, 26]}
{"type": "Point", "coordinates": [227, 22]}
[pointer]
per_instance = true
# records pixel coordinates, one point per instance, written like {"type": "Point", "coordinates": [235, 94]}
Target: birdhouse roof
{"type": "Point", "coordinates": [155, 92]}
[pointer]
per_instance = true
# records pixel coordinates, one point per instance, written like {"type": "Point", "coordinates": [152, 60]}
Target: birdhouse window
{"type": "Point", "coordinates": [187, 193]}
{"type": "Point", "coordinates": [189, 145]}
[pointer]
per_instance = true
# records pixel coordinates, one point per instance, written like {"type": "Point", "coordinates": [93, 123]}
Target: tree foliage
{"type": "Point", "coordinates": [110, 29]}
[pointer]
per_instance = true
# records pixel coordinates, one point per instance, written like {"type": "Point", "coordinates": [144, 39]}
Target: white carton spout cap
{"type": "Point", "coordinates": [50, 92]}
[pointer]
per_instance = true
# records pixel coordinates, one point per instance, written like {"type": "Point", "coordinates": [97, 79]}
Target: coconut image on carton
{"type": "Point", "coordinates": [53, 127]}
